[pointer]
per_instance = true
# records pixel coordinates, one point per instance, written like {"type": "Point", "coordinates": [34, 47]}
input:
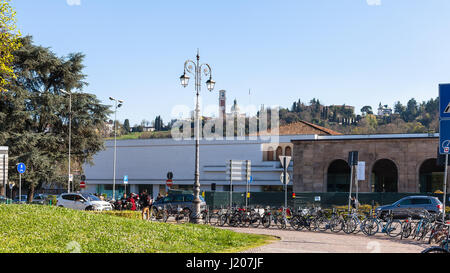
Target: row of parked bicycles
{"type": "Point", "coordinates": [420, 225]}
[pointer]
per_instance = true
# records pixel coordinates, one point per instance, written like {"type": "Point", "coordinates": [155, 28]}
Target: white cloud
{"type": "Point", "coordinates": [73, 2]}
{"type": "Point", "coordinates": [373, 2]}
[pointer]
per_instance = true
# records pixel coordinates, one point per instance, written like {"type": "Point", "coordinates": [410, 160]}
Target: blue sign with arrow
{"type": "Point", "coordinates": [444, 101]}
{"type": "Point", "coordinates": [21, 168]}
{"type": "Point", "coordinates": [125, 179]}
{"type": "Point", "coordinates": [444, 116]}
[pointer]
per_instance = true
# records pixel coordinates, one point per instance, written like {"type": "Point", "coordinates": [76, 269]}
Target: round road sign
{"type": "Point", "coordinates": [169, 182]}
{"type": "Point", "coordinates": [82, 185]}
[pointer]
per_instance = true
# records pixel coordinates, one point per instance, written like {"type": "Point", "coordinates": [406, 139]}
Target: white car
{"type": "Point", "coordinates": [82, 201]}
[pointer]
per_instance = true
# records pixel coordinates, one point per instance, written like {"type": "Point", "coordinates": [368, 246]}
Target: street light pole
{"type": "Point", "coordinates": [70, 134]}
{"type": "Point", "coordinates": [195, 69]}
{"type": "Point", "coordinates": [115, 143]}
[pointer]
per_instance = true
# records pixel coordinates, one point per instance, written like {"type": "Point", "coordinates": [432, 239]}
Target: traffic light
{"type": "Point", "coordinates": [353, 158]}
{"type": "Point", "coordinates": [213, 186]}
{"type": "Point", "coordinates": [293, 195]}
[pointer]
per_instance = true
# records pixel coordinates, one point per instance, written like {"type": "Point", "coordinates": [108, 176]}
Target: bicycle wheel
{"type": "Point", "coordinates": [336, 224]}
{"type": "Point", "coordinates": [245, 220]}
{"type": "Point", "coordinates": [255, 220]}
{"type": "Point", "coordinates": [350, 225]}
{"type": "Point", "coordinates": [370, 226]}
{"type": "Point", "coordinates": [265, 221]}
{"type": "Point", "coordinates": [222, 220]}
{"type": "Point", "coordinates": [322, 224]}
{"type": "Point", "coordinates": [281, 222]}
{"type": "Point", "coordinates": [435, 249]}
{"type": "Point", "coordinates": [294, 222]}
{"type": "Point", "coordinates": [406, 230]}
{"type": "Point", "coordinates": [394, 228]}
{"type": "Point", "coordinates": [214, 219]}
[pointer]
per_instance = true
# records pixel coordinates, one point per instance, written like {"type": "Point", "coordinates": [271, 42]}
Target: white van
{"type": "Point", "coordinates": [82, 201]}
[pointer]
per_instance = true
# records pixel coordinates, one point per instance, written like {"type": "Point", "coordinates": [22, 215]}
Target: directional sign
{"type": "Point", "coordinates": [125, 179]}
{"type": "Point", "coordinates": [21, 168]}
{"type": "Point", "coordinates": [288, 178]}
{"type": "Point", "coordinates": [282, 160]}
{"type": "Point", "coordinates": [444, 101]}
{"type": "Point", "coordinates": [444, 136]}
{"type": "Point", "coordinates": [240, 170]}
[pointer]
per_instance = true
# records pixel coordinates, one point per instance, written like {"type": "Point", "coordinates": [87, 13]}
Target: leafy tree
{"type": "Point", "coordinates": [367, 110]}
{"type": "Point", "coordinates": [126, 126]}
{"type": "Point", "coordinates": [9, 42]}
{"type": "Point", "coordinates": [34, 116]}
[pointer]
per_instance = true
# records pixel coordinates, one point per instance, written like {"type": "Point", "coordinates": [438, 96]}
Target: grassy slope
{"type": "Point", "coordinates": [41, 229]}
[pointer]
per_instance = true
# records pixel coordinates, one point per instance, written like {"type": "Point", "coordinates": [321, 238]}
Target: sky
{"type": "Point", "coordinates": [353, 52]}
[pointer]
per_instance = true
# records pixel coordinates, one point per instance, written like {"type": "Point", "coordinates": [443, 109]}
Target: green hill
{"type": "Point", "coordinates": [46, 229]}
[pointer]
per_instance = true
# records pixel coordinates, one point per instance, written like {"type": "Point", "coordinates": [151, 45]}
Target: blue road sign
{"type": "Point", "coordinates": [21, 168]}
{"type": "Point", "coordinates": [444, 101]}
{"type": "Point", "coordinates": [125, 179]}
{"type": "Point", "coordinates": [444, 136]}
{"type": "Point", "coordinates": [250, 180]}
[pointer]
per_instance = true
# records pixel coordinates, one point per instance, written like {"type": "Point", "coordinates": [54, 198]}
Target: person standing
{"type": "Point", "coordinates": [145, 199]}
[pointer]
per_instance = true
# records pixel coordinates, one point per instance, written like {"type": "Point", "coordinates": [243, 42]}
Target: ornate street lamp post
{"type": "Point", "coordinates": [195, 68]}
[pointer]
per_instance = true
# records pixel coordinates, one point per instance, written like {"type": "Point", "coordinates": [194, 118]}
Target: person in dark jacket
{"type": "Point", "coordinates": [145, 201]}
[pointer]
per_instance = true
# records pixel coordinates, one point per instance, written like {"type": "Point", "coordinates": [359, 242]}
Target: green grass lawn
{"type": "Point", "coordinates": [46, 229]}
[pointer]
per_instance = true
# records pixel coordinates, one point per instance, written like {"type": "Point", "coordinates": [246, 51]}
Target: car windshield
{"type": "Point", "coordinates": [90, 197]}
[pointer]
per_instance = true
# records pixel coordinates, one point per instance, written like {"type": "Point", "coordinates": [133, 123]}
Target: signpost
{"type": "Point", "coordinates": [285, 160]}
{"type": "Point", "coordinates": [352, 161]}
{"type": "Point", "coordinates": [21, 169]}
{"type": "Point", "coordinates": [444, 132]}
{"type": "Point", "coordinates": [238, 170]}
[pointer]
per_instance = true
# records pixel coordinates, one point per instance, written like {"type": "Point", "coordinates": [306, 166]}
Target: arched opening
{"type": "Point", "coordinates": [279, 153]}
{"type": "Point", "coordinates": [384, 176]}
{"type": "Point", "coordinates": [288, 151]}
{"type": "Point", "coordinates": [431, 176]}
{"type": "Point", "coordinates": [338, 176]}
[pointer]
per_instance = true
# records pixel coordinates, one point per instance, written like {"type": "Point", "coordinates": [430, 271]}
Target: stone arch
{"type": "Point", "coordinates": [278, 153]}
{"type": "Point", "coordinates": [288, 151]}
{"type": "Point", "coordinates": [338, 176]}
{"type": "Point", "coordinates": [384, 176]}
{"type": "Point", "coordinates": [431, 176]}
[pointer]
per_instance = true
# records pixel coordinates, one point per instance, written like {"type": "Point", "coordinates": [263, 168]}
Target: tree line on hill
{"type": "Point", "coordinates": [413, 117]}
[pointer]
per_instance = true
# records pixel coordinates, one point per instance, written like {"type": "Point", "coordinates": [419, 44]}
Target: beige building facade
{"type": "Point", "coordinates": [405, 163]}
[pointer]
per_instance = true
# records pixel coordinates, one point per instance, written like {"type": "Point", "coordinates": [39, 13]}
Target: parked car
{"type": "Point", "coordinates": [23, 199]}
{"type": "Point", "coordinates": [412, 204]}
{"type": "Point", "coordinates": [82, 201]}
{"type": "Point", "coordinates": [39, 199]}
{"type": "Point", "coordinates": [175, 201]}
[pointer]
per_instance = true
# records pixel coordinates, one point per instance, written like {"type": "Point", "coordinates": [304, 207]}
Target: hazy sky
{"type": "Point", "coordinates": [353, 52]}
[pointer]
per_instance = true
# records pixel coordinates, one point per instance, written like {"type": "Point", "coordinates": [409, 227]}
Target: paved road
{"type": "Point", "coordinates": [326, 242]}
